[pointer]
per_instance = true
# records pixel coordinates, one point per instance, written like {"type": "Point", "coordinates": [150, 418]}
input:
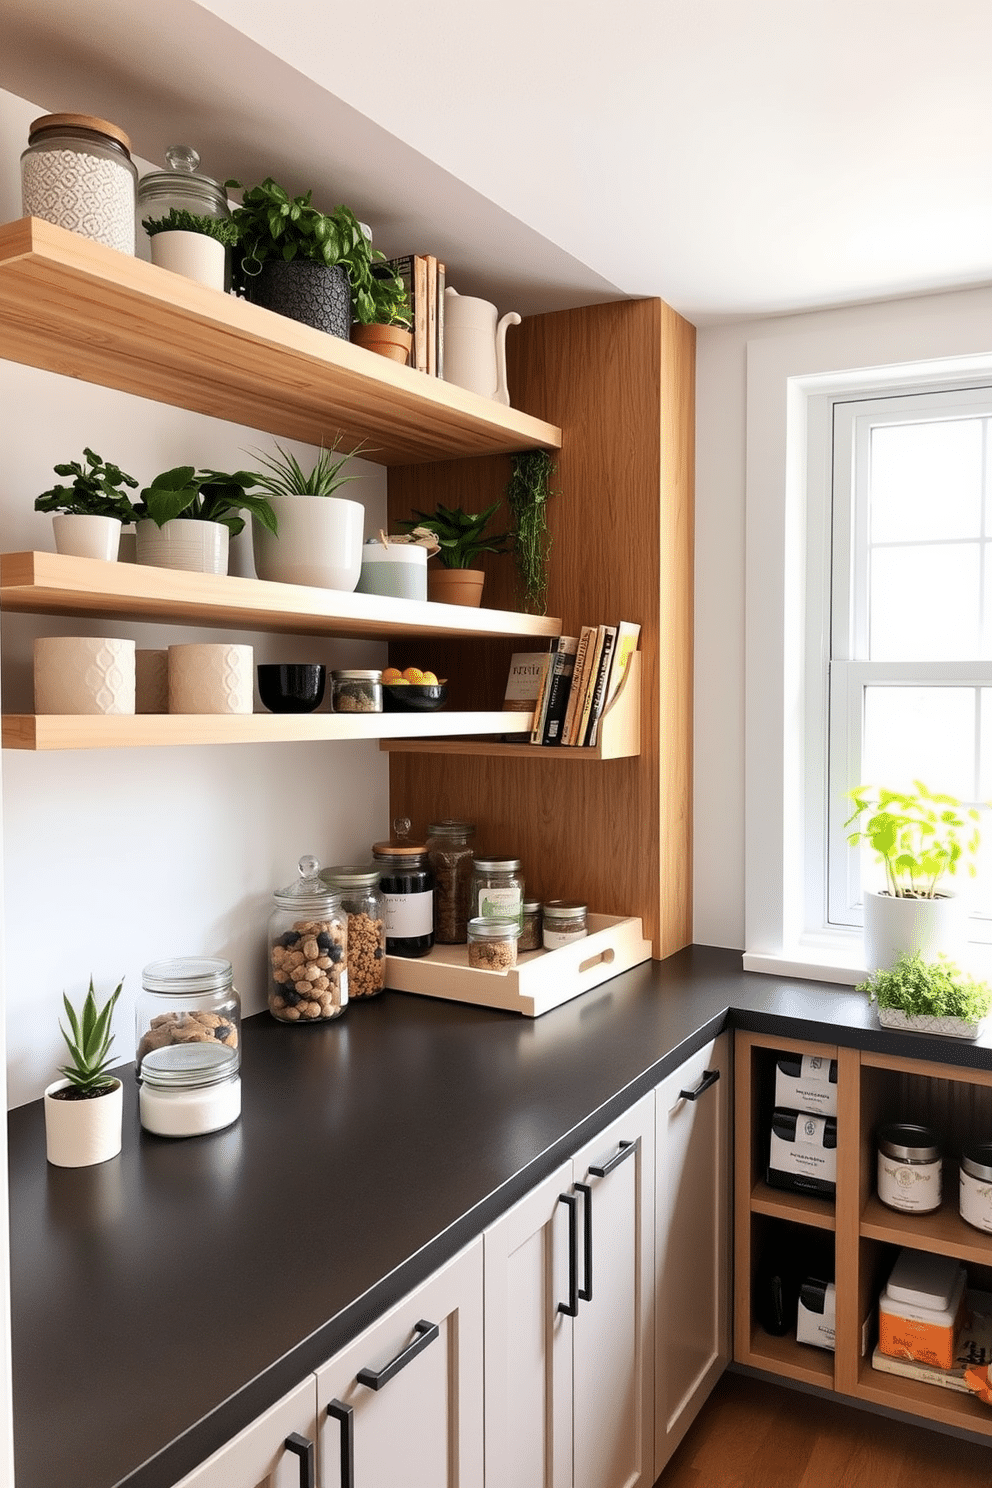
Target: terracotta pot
{"type": "Point", "coordinates": [455, 585]}
{"type": "Point", "coordinates": [388, 341]}
{"type": "Point", "coordinates": [79, 1133]}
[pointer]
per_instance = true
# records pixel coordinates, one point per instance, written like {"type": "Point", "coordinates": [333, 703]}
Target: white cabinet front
{"type": "Point", "coordinates": [275, 1451]}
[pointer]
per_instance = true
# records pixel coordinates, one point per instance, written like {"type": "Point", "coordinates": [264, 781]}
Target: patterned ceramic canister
{"type": "Point", "coordinates": [210, 678]}
{"type": "Point", "coordinates": [77, 172]}
{"type": "Point", "coordinates": [83, 674]}
{"type": "Point", "coordinates": [151, 681]}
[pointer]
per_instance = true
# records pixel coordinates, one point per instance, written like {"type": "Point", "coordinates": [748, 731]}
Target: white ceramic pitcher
{"type": "Point", "coordinates": [475, 346]}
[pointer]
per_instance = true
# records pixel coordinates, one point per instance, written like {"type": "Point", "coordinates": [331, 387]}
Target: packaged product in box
{"type": "Point", "coordinates": [921, 1311]}
{"type": "Point", "coordinates": [803, 1152]}
{"type": "Point", "coordinates": [806, 1082]}
{"type": "Point", "coordinates": [817, 1314]}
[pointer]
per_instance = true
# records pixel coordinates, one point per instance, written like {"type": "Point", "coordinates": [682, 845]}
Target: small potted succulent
{"type": "Point", "coordinates": [462, 539]}
{"type": "Point", "coordinates": [90, 512]}
{"type": "Point", "coordinates": [192, 245]}
{"type": "Point", "coordinates": [929, 997]}
{"type": "Point", "coordinates": [319, 538]}
{"type": "Point", "coordinates": [84, 1109]}
{"type": "Point", "coordinates": [186, 517]}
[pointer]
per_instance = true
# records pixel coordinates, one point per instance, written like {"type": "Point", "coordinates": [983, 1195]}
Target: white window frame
{"type": "Point", "coordinates": [792, 382]}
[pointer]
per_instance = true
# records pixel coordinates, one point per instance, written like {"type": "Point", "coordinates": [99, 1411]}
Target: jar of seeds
{"type": "Point", "coordinates": [492, 944]}
{"type": "Point", "coordinates": [308, 950]}
{"type": "Point", "coordinates": [364, 903]}
{"type": "Point", "coordinates": [449, 851]}
{"type": "Point", "coordinates": [356, 691]}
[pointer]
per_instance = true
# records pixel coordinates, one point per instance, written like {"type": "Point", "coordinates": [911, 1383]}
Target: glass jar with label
{"type": "Point", "coordinates": [497, 889]}
{"type": "Point", "coordinates": [564, 921]}
{"type": "Point", "coordinates": [77, 172]}
{"type": "Point", "coordinates": [909, 1168]}
{"type": "Point", "coordinates": [408, 888]}
{"type": "Point", "coordinates": [308, 950]}
{"type": "Point", "coordinates": [530, 931]}
{"type": "Point", "coordinates": [188, 1025]}
{"type": "Point", "coordinates": [449, 850]}
{"type": "Point", "coordinates": [356, 691]}
{"type": "Point", "coordinates": [492, 944]}
{"type": "Point", "coordinates": [364, 903]}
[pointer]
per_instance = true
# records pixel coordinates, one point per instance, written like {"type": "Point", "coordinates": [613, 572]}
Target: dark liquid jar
{"type": "Point", "coordinates": [407, 886]}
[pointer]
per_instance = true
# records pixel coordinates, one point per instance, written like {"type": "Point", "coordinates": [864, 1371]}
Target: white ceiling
{"type": "Point", "coordinates": [735, 159]}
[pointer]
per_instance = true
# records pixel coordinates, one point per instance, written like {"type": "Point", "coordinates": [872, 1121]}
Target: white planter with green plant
{"type": "Point", "coordinates": [84, 1110]}
{"type": "Point", "coordinates": [934, 997]}
{"type": "Point", "coordinates": [320, 535]}
{"type": "Point", "coordinates": [187, 517]}
{"type": "Point", "coordinates": [90, 513]}
{"type": "Point", "coordinates": [195, 247]}
{"type": "Point", "coordinates": [921, 838]}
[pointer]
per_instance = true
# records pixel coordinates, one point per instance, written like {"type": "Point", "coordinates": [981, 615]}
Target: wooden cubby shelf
{"type": "Point", "coordinates": [943, 1231]}
{"type": "Point", "coordinates": [797, 1208]}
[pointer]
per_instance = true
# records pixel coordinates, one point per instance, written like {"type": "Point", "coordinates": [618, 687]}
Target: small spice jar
{"type": "Point", "coordinates": [365, 905]}
{"type": "Point", "coordinates": [188, 1024]}
{"type": "Point", "coordinates": [408, 889]}
{"type": "Point", "coordinates": [564, 921]}
{"type": "Point", "coordinates": [77, 172]}
{"type": "Point", "coordinates": [356, 692]}
{"type": "Point", "coordinates": [497, 889]}
{"type": "Point", "coordinates": [975, 1197]}
{"type": "Point", "coordinates": [530, 929]}
{"type": "Point", "coordinates": [492, 944]}
{"type": "Point", "coordinates": [308, 950]}
{"type": "Point", "coordinates": [909, 1168]}
{"type": "Point", "coordinates": [449, 851]}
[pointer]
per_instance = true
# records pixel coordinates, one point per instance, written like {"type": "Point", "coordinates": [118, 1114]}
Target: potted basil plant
{"type": "Point", "coordinates": [84, 1109]}
{"type": "Point", "coordinates": [91, 511]}
{"type": "Point", "coordinates": [186, 517]}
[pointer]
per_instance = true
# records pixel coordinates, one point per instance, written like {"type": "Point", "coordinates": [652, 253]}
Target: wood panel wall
{"type": "Point", "coordinates": [619, 380]}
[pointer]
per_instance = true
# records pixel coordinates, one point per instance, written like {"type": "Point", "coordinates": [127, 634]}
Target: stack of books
{"type": "Point", "coordinates": [570, 687]}
{"type": "Point", "coordinates": [424, 279]}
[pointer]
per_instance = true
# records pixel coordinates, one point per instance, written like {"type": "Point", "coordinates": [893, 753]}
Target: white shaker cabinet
{"type": "Point", "coordinates": [692, 1241]}
{"type": "Point", "coordinates": [276, 1451]}
{"type": "Point", "coordinates": [403, 1403]}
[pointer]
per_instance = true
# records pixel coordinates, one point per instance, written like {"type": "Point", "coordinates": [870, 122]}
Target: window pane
{"type": "Point", "coordinates": [924, 603]}
{"type": "Point", "coordinates": [921, 733]}
{"type": "Point", "coordinates": [926, 481]}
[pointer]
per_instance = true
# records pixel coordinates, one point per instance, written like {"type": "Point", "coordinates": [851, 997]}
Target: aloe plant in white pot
{"type": "Point", "coordinates": [84, 1109]}
{"type": "Point", "coordinates": [319, 537]}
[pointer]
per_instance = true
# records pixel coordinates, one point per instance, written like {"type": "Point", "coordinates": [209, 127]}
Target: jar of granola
{"type": "Point", "coordinates": [308, 950]}
{"type": "Point", "coordinates": [492, 944]}
{"type": "Point", "coordinates": [364, 903]}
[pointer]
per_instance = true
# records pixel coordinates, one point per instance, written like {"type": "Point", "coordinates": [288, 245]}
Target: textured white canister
{"type": "Point", "coordinates": [197, 547]}
{"type": "Point", "coordinates": [83, 674]}
{"type": "Point", "coordinates": [211, 678]}
{"type": "Point", "coordinates": [151, 681]}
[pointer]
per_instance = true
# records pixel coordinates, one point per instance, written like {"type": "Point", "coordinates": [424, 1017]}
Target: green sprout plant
{"type": "Point", "coordinates": [88, 1040]}
{"type": "Point", "coordinates": [97, 490]}
{"type": "Point", "coordinates": [461, 535]}
{"type": "Point", "coordinates": [527, 495]}
{"type": "Point", "coordinates": [918, 835]}
{"type": "Point", "coordinates": [932, 989]}
{"type": "Point", "coordinates": [205, 496]}
{"type": "Point", "coordinates": [284, 475]}
{"type": "Point", "coordinates": [223, 229]}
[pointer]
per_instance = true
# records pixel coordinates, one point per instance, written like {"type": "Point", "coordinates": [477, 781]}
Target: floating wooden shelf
{"type": "Point", "coordinates": [76, 307]}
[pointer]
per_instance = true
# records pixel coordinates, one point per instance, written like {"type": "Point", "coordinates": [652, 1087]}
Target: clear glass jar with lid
{"type": "Point", "coordinates": [530, 933]}
{"type": "Point", "coordinates": [188, 1024]}
{"type": "Point", "coordinates": [181, 188]}
{"type": "Point", "coordinates": [365, 905]}
{"type": "Point", "coordinates": [408, 888]}
{"type": "Point", "coordinates": [356, 691]}
{"type": "Point", "coordinates": [449, 849]}
{"type": "Point", "coordinates": [308, 950]}
{"type": "Point", "coordinates": [492, 943]}
{"type": "Point", "coordinates": [564, 921]}
{"type": "Point", "coordinates": [497, 889]}
{"type": "Point", "coordinates": [77, 172]}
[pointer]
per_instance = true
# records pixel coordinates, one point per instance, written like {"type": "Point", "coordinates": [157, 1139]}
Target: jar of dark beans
{"type": "Point", "coordinates": [308, 950]}
{"type": "Point", "coordinates": [408, 889]}
{"type": "Point", "coordinates": [449, 851]}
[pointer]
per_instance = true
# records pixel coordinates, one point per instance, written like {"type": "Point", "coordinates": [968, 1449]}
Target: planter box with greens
{"type": "Point", "coordinates": [929, 997]}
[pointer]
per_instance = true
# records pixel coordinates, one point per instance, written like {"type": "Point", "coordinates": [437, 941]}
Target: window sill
{"type": "Point", "coordinates": [840, 959]}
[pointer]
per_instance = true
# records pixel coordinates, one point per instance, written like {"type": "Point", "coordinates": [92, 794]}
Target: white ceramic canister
{"type": "Point", "coordinates": [83, 674]}
{"type": "Point", "coordinates": [211, 678]}
{"type": "Point", "coordinates": [398, 570]}
{"type": "Point", "coordinates": [975, 1200]}
{"type": "Point", "coordinates": [77, 173]}
{"type": "Point", "coordinates": [909, 1168]}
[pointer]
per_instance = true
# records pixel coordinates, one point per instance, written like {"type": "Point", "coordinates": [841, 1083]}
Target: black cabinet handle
{"type": "Point", "coordinates": [623, 1152]}
{"type": "Point", "coordinates": [585, 1293]}
{"type": "Point", "coordinates": [303, 1448]}
{"type": "Point", "coordinates": [376, 1378]}
{"type": "Point", "coordinates": [345, 1417]}
{"type": "Point", "coordinates": [571, 1307]}
{"type": "Point", "coordinates": [710, 1077]}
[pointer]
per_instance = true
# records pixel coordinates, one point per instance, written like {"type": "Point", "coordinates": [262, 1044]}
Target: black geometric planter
{"type": "Point", "coordinates": [313, 293]}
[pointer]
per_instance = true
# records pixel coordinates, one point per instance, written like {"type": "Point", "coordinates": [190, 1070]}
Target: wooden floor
{"type": "Point", "coordinates": [756, 1435]}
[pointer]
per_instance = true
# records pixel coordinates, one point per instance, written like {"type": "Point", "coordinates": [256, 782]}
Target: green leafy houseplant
{"type": "Point", "coordinates": [919, 836]}
{"type": "Point", "coordinates": [380, 296]}
{"type": "Point", "coordinates": [527, 495]}
{"type": "Point", "coordinates": [96, 490]}
{"type": "Point", "coordinates": [222, 228]}
{"type": "Point", "coordinates": [204, 496]}
{"type": "Point", "coordinates": [88, 1040]}
{"type": "Point", "coordinates": [462, 537]}
{"type": "Point", "coordinates": [285, 476]}
{"type": "Point", "coordinates": [930, 989]}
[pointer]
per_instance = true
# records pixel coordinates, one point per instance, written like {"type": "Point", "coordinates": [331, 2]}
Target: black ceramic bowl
{"type": "Point", "coordinates": [291, 689]}
{"type": "Point", "coordinates": [413, 697]}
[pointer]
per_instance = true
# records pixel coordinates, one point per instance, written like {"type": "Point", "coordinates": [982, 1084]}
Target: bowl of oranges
{"type": "Point", "coordinates": [412, 691]}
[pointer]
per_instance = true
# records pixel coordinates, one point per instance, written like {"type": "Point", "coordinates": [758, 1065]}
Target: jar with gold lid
{"type": "Point", "coordinates": [77, 172]}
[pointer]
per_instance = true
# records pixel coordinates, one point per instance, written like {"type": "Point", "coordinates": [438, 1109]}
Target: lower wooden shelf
{"type": "Point", "coordinates": [799, 1208]}
{"type": "Point", "coordinates": [786, 1357]}
{"type": "Point", "coordinates": [919, 1398]}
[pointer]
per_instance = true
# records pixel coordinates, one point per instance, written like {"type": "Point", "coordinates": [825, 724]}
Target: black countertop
{"type": "Point", "coordinates": [162, 1300]}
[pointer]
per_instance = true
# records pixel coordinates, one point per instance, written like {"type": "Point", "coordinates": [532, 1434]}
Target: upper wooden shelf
{"type": "Point", "coordinates": [53, 584]}
{"type": "Point", "coordinates": [76, 307]}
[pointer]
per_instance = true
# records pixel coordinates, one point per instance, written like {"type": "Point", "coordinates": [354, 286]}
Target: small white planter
{"type": "Point", "coordinates": [921, 1023]}
{"type": "Point", "coordinates": [83, 674]}
{"type": "Point", "coordinates": [79, 1133]}
{"type": "Point", "coordinates": [894, 926]}
{"type": "Point", "coordinates": [198, 547]}
{"type": "Point", "coordinates": [194, 255]}
{"type": "Point", "coordinates": [319, 542]}
{"type": "Point", "coordinates": [211, 678]}
{"type": "Point", "coordinates": [82, 536]}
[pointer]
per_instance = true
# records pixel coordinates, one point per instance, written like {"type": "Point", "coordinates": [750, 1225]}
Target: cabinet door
{"type": "Point", "coordinates": [529, 1340]}
{"type": "Point", "coordinates": [692, 1241]}
{"type": "Point", "coordinates": [613, 1356]}
{"type": "Point", "coordinates": [403, 1403]}
{"type": "Point", "coordinates": [276, 1451]}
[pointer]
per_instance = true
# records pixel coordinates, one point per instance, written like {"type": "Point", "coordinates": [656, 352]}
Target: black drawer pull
{"type": "Point", "coordinates": [624, 1151]}
{"type": "Point", "coordinates": [303, 1448]}
{"type": "Point", "coordinates": [710, 1077]}
{"type": "Point", "coordinates": [376, 1378]}
{"type": "Point", "coordinates": [585, 1293]}
{"type": "Point", "coordinates": [345, 1417]}
{"type": "Point", "coordinates": [571, 1307]}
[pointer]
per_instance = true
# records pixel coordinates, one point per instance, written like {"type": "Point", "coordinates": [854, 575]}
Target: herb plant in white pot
{"type": "Point", "coordinates": [90, 512]}
{"type": "Point", "coordinates": [320, 534]}
{"type": "Point", "coordinates": [192, 245]}
{"type": "Point", "coordinates": [84, 1110]}
{"type": "Point", "coordinates": [921, 838]}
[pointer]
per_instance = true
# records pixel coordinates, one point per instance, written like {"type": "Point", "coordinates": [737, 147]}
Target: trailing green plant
{"type": "Point", "coordinates": [934, 989]}
{"type": "Point", "coordinates": [461, 535]}
{"type": "Point", "coordinates": [224, 229]}
{"type": "Point", "coordinates": [285, 476]}
{"type": "Point", "coordinates": [205, 496]}
{"type": "Point", "coordinates": [381, 298]}
{"type": "Point", "coordinates": [919, 836]}
{"type": "Point", "coordinates": [88, 1040]}
{"type": "Point", "coordinates": [96, 490]}
{"type": "Point", "coordinates": [527, 495]}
